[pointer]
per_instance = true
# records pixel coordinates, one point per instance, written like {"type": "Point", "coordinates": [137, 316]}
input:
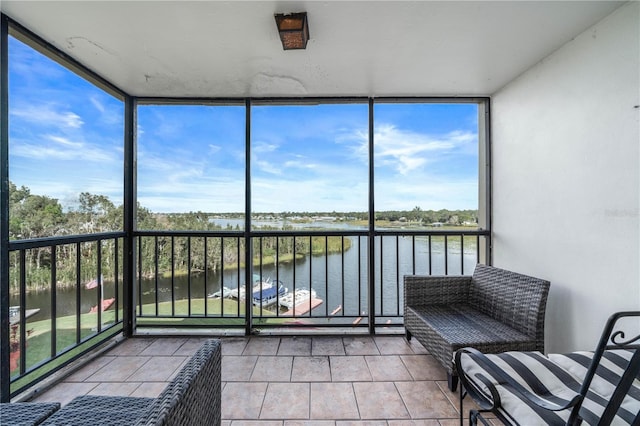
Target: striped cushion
{"type": "Point", "coordinates": [557, 379]}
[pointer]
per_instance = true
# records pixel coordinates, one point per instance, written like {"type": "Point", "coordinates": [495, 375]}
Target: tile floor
{"type": "Point", "coordinates": [378, 380]}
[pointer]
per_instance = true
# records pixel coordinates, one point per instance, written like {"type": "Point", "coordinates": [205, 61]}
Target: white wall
{"type": "Point", "coordinates": [566, 181]}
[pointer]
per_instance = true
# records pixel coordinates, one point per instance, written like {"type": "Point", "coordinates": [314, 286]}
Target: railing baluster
{"type": "Point", "coordinates": [430, 257]}
{"type": "Point", "coordinates": [397, 275]}
{"type": "Point", "coordinates": [173, 276]}
{"type": "Point", "coordinates": [156, 274]}
{"type": "Point", "coordinates": [189, 276]}
{"type": "Point", "coordinates": [99, 289]}
{"type": "Point", "coordinates": [446, 255]}
{"type": "Point", "coordinates": [54, 293]}
{"type": "Point", "coordinates": [462, 254]}
{"type": "Point", "coordinates": [23, 305]}
{"type": "Point", "coordinates": [78, 296]}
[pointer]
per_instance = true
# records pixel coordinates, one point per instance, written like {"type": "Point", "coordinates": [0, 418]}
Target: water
{"type": "Point", "coordinates": [340, 280]}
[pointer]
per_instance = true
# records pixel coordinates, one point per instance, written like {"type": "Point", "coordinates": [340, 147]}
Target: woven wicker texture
{"type": "Point", "coordinates": [493, 311]}
{"type": "Point", "coordinates": [26, 413]}
{"type": "Point", "coordinates": [193, 397]}
{"type": "Point", "coordinates": [102, 410]}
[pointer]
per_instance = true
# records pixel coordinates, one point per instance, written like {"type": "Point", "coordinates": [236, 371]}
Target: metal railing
{"type": "Point", "coordinates": [60, 289]}
{"type": "Point", "coordinates": [202, 278]}
{"type": "Point", "coordinates": [67, 292]}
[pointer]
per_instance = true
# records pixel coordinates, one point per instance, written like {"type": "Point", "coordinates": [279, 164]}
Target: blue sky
{"type": "Point", "coordinates": [66, 138]}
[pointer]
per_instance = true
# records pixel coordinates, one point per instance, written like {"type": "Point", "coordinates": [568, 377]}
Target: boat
{"type": "Point", "coordinates": [298, 297]}
{"type": "Point", "coordinates": [268, 293]}
{"type": "Point", "coordinates": [265, 292]}
{"type": "Point", "coordinates": [223, 292]}
{"type": "Point", "coordinates": [106, 304]}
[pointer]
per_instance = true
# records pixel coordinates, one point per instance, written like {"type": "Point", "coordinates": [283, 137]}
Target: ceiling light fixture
{"type": "Point", "coordinates": [293, 29]}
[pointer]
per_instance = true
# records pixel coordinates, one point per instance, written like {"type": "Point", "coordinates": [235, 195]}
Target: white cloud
{"type": "Point", "coordinates": [48, 115]}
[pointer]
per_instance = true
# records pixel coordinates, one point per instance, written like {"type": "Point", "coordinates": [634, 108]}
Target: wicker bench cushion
{"type": "Point", "coordinates": [94, 410]}
{"type": "Point", "coordinates": [559, 377]}
{"type": "Point", "coordinates": [26, 413]}
{"type": "Point", "coordinates": [461, 325]}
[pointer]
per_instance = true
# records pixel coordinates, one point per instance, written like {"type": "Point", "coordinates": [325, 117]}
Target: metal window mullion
{"type": "Point", "coordinates": [5, 372]}
{"type": "Point", "coordinates": [247, 222]}
{"type": "Point", "coordinates": [372, 213]}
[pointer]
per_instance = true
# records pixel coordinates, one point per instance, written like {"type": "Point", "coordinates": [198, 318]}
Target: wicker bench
{"type": "Point", "coordinates": [192, 398]}
{"type": "Point", "coordinates": [493, 311]}
{"type": "Point", "coordinates": [598, 387]}
{"type": "Point", "coordinates": [26, 413]}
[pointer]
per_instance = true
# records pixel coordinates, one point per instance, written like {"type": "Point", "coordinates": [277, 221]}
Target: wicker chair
{"type": "Point", "coordinates": [492, 311]}
{"type": "Point", "coordinates": [192, 398]}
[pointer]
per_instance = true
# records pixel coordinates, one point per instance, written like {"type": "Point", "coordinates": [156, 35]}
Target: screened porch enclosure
{"type": "Point", "coordinates": [247, 259]}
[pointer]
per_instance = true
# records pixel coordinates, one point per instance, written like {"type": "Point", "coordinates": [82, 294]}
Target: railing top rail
{"type": "Point", "coordinates": [62, 240]}
{"type": "Point", "coordinates": [307, 233]}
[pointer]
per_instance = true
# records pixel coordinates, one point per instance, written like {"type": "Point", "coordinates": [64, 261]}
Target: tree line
{"type": "Point", "coordinates": [34, 216]}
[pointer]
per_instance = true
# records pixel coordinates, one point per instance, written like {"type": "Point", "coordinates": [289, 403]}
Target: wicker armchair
{"type": "Point", "coordinates": [192, 398]}
{"type": "Point", "coordinates": [492, 311]}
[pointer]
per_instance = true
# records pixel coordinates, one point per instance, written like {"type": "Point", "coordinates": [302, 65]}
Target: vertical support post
{"type": "Point", "coordinates": [5, 372]}
{"type": "Point", "coordinates": [248, 261]}
{"type": "Point", "coordinates": [372, 225]}
{"type": "Point", "coordinates": [130, 202]}
{"type": "Point", "coordinates": [484, 186]}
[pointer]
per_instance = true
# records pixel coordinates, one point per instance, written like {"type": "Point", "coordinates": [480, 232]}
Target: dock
{"type": "Point", "coordinates": [304, 307]}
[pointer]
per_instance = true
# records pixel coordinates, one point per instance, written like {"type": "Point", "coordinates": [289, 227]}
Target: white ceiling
{"type": "Point", "coordinates": [356, 48]}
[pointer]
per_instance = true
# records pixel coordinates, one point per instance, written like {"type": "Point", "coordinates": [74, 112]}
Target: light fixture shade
{"type": "Point", "coordinates": [293, 29]}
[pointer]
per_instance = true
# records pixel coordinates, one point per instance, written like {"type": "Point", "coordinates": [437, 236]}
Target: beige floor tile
{"type": "Point", "coordinates": [158, 369]}
{"type": "Point", "coordinates": [120, 369]}
{"type": "Point", "coordinates": [309, 423]}
{"type": "Point", "coordinates": [393, 345]}
{"type": "Point", "coordinates": [243, 400]}
{"type": "Point", "coordinates": [327, 346]}
{"type": "Point", "coordinates": [115, 389]}
{"type": "Point", "coordinates": [349, 369]}
{"type": "Point", "coordinates": [333, 401]}
{"type": "Point", "coordinates": [65, 392]}
{"type": "Point", "coordinates": [424, 367]}
{"type": "Point", "coordinates": [424, 422]}
{"type": "Point", "coordinates": [361, 423]}
{"type": "Point", "coordinates": [417, 347]}
{"type": "Point", "coordinates": [387, 368]}
{"type": "Point", "coordinates": [164, 346]}
{"type": "Point", "coordinates": [286, 401]}
{"type": "Point", "coordinates": [238, 368]}
{"type": "Point", "coordinates": [91, 368]}
{"type": "Point", "coordinates": [272, 369]}
{"type": "Point", "coordinates": [132, 346]}
{"type": "Point", "coordinates": [360, 346]}
{"type": "Point", "coordinates": [295, 346]}
{"type": "Point", "coordinates": [150, 389]}
{"type": "Point", "coordinates": [262, 346]}
{"type": "Point", "coordinates": [234, 345]}
{"type": "Point", "coordinates": [256, 423]}
{"type": "Point", "coordinates": [379, 400]}
{"type": "Point", "coordinates": [311, 369]}
{"type": "Point", "coordinates": [425, 400]}
{"type": "Point", "coordinates": [189, 347]}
